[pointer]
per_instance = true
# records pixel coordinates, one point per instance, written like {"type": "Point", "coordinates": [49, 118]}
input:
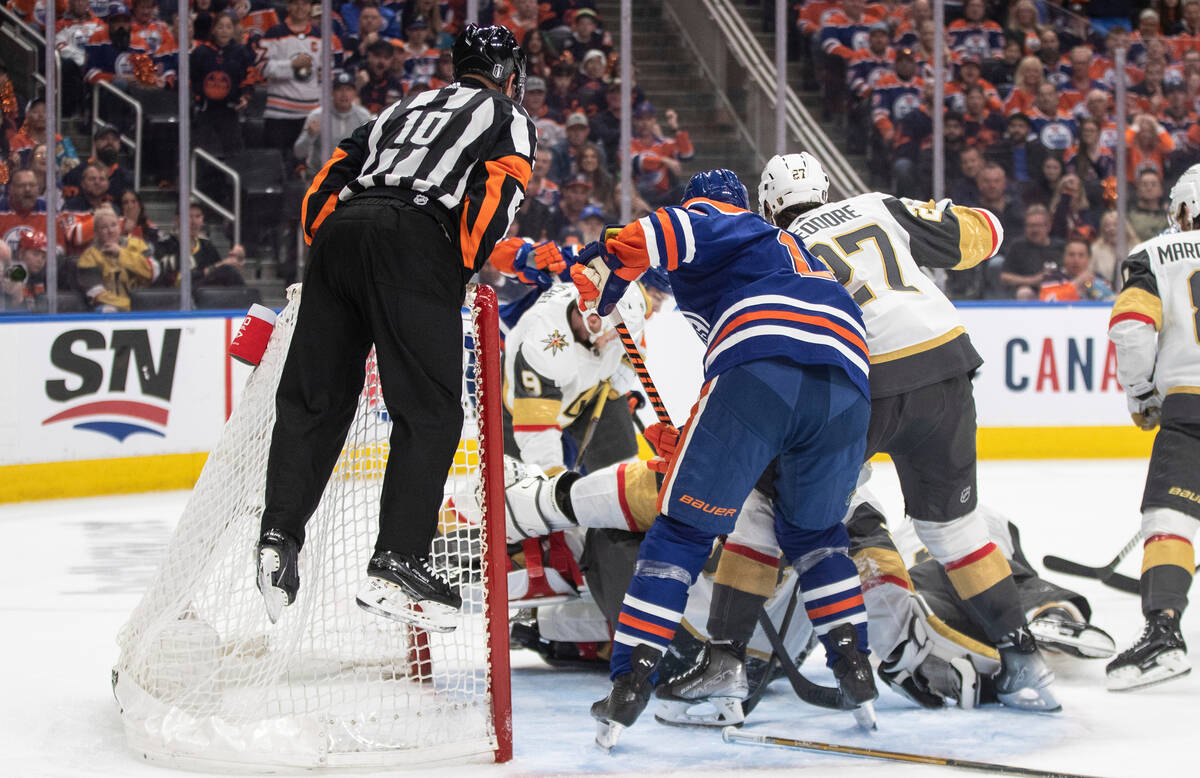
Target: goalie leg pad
{"type": "Point", "coordinates": [620, 496]}
{"type": "Point", "coordinates": [531, 508]}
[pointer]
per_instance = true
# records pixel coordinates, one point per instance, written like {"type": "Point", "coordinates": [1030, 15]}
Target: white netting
{"type": "Point", "coordinates": [205, 679]}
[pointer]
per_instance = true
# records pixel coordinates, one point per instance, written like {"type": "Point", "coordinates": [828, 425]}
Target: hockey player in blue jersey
{"type": "Point", "coordinates": [785, 378]}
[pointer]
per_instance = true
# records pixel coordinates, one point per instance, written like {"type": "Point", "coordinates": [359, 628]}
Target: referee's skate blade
{"type": "Point", "coordinates": [386, 599]}
{"type": "Point", "coordinates": [1168, 666]}
{"type": "Point", "coordinates": [274, 598]}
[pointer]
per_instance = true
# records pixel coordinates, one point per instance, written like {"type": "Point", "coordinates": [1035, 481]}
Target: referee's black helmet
{"type": "Point", "coordinates": [491, 52]}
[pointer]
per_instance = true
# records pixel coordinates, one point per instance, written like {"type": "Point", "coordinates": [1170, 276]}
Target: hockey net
{"type": "Point", "coordinates": [205, 680]}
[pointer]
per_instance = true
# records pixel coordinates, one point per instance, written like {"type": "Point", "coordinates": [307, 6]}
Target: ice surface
{"type": "Point", "coordinates": [71, 571]}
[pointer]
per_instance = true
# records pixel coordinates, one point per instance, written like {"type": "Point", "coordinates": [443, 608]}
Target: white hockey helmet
{"type": "Point", "coordinates": [1186, 192]}
{"type": "Point", "coordinates": [791, 179]}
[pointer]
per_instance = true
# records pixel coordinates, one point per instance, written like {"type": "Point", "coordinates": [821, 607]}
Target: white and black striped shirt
{"type": "Point", "coordinates": [467, 149]}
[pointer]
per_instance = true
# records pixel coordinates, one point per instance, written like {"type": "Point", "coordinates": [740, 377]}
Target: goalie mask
{"type": "Point", "coordinates": [791, 179]}
{"type": "Point", "coordinates": [632, 306]}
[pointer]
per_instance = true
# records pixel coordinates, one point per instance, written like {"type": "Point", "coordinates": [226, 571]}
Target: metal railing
{"type": "Point", "coordinates": [707, 70]}
{"type": "Point", "coordinates": [728, 34]}
{"type": "Point", "coordinates": [32, 40]}
{"type": "Point", "coordinates": [234, 216]}
{"type": "Point", "coordinates": [99, 123]}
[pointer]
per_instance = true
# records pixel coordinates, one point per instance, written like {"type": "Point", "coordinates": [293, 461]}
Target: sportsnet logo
{"type": "Point", "coordinates": [110, 405]}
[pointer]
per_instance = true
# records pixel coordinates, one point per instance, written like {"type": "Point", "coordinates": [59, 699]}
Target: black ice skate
{"type": "Point", "coordinates": [1158, 655]}
{"type": "Point", "coordinates": [278, 572]}
{"type": "Point", "coordinates": [629, 696]}
{"type": "Point", "coordinates": [1024, 679]}
{"type": "Point", "coordinates": [403, 587]}
{"type": "Point", "coordinates": [852, 669]}
{"type": "Point", "coordinates": [1058, 630]}
{"type": "Point", "coordinates": [718, 678]}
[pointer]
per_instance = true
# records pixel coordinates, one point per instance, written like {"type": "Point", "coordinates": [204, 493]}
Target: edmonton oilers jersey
{"type": "Point", "coordinates": [751, 291]}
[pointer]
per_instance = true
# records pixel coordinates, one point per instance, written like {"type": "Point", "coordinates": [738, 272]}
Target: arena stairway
{"type": "Point", "coordinates": [760, 18]}
{"type": "Point", "coordinates": [671, 79]}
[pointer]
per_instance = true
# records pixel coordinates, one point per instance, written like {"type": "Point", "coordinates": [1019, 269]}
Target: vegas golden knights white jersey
{"type": "Point", "coordinates": [1161, 295]}
{"type": "Point", "coordinates": [874, 243]}
{"type": "Point", "coordinates": [550, 378]}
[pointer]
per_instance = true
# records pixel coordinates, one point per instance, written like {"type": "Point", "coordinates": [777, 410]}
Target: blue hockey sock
{"type": "Point", "coordinates": [670, 558]}
{"type": "Point", "coordinates": [832, 597]}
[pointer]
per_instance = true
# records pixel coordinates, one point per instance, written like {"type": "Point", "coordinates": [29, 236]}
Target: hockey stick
{"type": "Point", "coordinates": [597, 411]}
{"type": "Point", "coordinates": [1060, 565]}
{"type": "Point", "coordinates": [733, 735]}
{"type": "Point", "coordinates": [750, 702]}
{"type": "Point", "coordinates": [639, 367]}
{"type": "Point", "coordinates": [806, 690]}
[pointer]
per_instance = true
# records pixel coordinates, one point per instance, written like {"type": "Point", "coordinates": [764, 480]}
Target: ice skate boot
{"type": "Point", "coordinates": [278, 571]}
{"type": "Point", "coordinates": [1158, 655]}
{"type": "Point", "coordinates": [1024, 680]}
{"type": "Point", "coordinates": [1060, 629]}
{"type": "Point", "coordinates": [629, 696]}
{"type": "Point", "coordinates": [403, 587]}
{"type": "Point", "coordinates": [718, 678]}
{"type": "Point", "coordinates": [852, 669]}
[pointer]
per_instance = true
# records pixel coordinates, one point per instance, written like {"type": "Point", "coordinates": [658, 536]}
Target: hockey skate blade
{"type": "Point", "coordinates": [1074, 638]}
{"type": "Point", "coordinates": [274, 598]}
{"type": "Point", "coordinates": [386, 599]}
{"type": "Point", "coordinates": [1030, 699]}
{"type": "Point", "coordinates": [607, 734]}
{"type": "Point", "coordinates": [713, 712]}
{"type": "Point", "coordinates": [1170, 665]}
{"type": "Point", "coordinates": [864, 716]}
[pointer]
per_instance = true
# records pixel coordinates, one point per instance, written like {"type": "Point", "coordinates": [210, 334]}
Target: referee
{"type": "Point", "coordinates": [399, 219]}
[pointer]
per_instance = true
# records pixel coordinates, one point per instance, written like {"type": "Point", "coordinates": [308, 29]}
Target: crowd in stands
{"type": "Point", "coordinates": [382, 52]}
{"type": "Point", "coordinates": [1029, 120]}
{"type": "Point", "coordinates": [1029, 115]}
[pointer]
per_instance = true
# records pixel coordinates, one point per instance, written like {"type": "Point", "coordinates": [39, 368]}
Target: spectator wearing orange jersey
{"type": "Point", "coordinates": [156, 33]}
{"type": "Point", "coordinates": [866, 66]}
{"type": "Point", "coordinates": [1148, 145]}
{"type": "Point", "coordinates": [33, 132]}
{"type": "Point", "coordinates": [254, 24]}
{"type": "Point", "coordinates": [1024, 93]}
{"type": "Point", "coordinates": [1188, 38]}
{"type": "Point", "coordinates": [969, 75]}
{"type": "Point", "coordinates": [1177, 117]}
{"type": "Point", "coordinates": [1098, 106]}
{"type": "Point", "coordinates": [975, 34]}
{"type": "Point", "coordinates": [418, 64]}
{"type": "Point", "coordinates": [927, 39]}
{"type": "Point", "coordinates": [843, 32]}
{"type": "Point", "coordinates": [522, 16]}
{"type": "Point", "coordinates": [905, 35]}
{"type": "Point", "coordinates": [1023, 25]}
{"type": "Point", "coordinates": [1079, 82]}
{"type": "Point", "coordinates": [657, 161]}
{"type": "Point", "coordinates": [1104, 66]}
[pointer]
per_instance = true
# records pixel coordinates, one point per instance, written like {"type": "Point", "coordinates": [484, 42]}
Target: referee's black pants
{"type": "Point", "coordinates": [385, 273]}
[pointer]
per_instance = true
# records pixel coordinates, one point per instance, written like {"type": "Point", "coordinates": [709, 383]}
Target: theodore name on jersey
{"type": "Point", "coordinates": [871, 242]}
